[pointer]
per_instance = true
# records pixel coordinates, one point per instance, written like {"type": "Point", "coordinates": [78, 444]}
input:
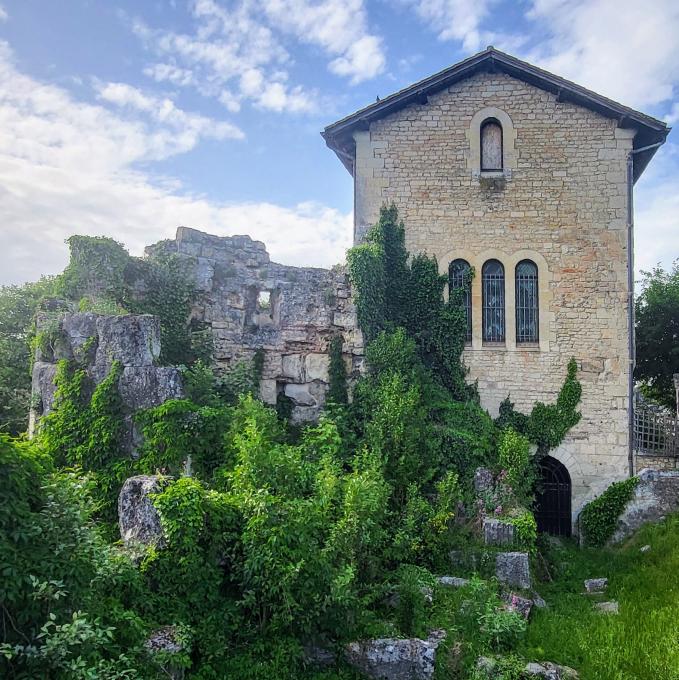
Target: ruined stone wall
{"type": "Point", "coordinates": [249, 302]}
{"type": "Point", "coordinates": [95, 341]}
{"type": "Point", "coordinates": [561, 202]}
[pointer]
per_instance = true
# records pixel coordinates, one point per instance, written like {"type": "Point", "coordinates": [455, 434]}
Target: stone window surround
{"type": "Point", "coordinates": [509, 261]}
{"type": "Point", "coordinates": [473, 133]}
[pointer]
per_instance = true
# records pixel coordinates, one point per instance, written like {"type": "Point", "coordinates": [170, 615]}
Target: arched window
{"type": "Point", "coordinates": [491, 145]}
{"type": "Point", "coordinates": [460, 278]}
{"type": "Point", "coordinates": [493, 289]}
{"type": "Point", "coordinates": [527, 314]}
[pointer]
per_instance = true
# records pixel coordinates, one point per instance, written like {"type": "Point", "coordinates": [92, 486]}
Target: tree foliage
{"type": "Point", "coordinates": [657, 334]}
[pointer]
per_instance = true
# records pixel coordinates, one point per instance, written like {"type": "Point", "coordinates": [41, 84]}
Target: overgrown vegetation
{"type": "Point", "coordinates": [276, 537]}
{"type": "Point", "coordinates": [598, 518]}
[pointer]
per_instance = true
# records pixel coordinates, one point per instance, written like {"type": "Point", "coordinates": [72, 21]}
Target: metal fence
{"type": "Point", "coordinates": [656, 430]}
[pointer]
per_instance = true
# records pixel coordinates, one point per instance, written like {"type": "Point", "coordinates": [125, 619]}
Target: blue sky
{"type": "Point", "coordinates": [129, 118]}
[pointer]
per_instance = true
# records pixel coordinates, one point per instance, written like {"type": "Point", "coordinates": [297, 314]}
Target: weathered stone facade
{"type": "Point", "coordinates": [563, 206]}
{"type": "Point", "coordinates": [249, 302]}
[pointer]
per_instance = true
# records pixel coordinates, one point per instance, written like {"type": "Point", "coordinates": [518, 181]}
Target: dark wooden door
{"type": "Point", "coordinates": [553, 498]}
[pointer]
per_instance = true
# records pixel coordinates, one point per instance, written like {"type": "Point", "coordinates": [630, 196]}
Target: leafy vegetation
{"type": "Point", "coordinates": [598, 518]}
{"type": "Point", "coordinates": [657, 327]}
{"type": "Point", "coordinates": [273, 537]}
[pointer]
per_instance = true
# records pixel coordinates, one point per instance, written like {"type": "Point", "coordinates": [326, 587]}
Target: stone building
{"type": "Point", "coordinates": [525, 179]}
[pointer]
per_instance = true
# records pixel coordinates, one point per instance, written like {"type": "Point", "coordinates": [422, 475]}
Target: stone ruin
{"type": "Point", "coordinates": [96, 341]}
{"type": "Point", "coordinates": [244, 301]}
{"type": "Point", "coordinates": [249, 302]}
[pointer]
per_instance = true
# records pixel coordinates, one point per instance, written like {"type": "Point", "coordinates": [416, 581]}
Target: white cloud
{"type": "Point", "coordinates": [339, 27]}
{"type": "Point", "coordinates": [238, 53]}
{"type": "Point", "coordinates": [169, 73]}
{"type": "Point", "coordinates": [656, 221]}
{"type": "Point", "coordinates": [68, 167]}
{"type": "Point", "coordinates": [623, 49]}
{"type": "Point", "coordinates": [3, 14]}
{"type": "Point", "coordinates": [459, 20]}
{"type": "Point", "coordinates": [164, 111]}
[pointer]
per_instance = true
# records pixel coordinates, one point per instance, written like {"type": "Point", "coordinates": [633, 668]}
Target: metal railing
{"type": "Point", "coordinates": [656, 430]}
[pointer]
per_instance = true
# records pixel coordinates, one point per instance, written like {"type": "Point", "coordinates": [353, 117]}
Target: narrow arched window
{"type": "Point", "coordinates": [460, 278]}
{"type": "Point", "coordinates": [491, 145]}
{"type": "Point", "coordinates": [527, 313]}
{"type": "Point", "coordinates": [493, 289]}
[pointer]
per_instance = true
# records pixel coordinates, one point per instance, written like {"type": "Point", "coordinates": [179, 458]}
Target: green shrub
{"type": "Point", "coordinates": [598, 518]}
{"type": "Point", "coordinates": [514, 457]}
{"type": "Point", "coordinates": [525, 529]}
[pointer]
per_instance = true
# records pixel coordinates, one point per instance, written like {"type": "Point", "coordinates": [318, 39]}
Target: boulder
{"type": "Point", "coordinates": [497, 532]}
{"type": "Point", "coordinates": [513, 568]}
{"type": "Point", "coordinates": [138, 518]}
{"type": "Point", "coordinates": [395, 659]}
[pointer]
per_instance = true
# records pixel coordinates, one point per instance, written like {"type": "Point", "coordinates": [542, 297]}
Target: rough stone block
{"type": "Point", "coordinates": [483, 480]}
{"type": "Point", "coordinates": [607, 607]}
{"type": "Point", "coordinates": [293, 366]}
{"type": "Point", "coordinates": [518, 604]}
{"type": "Point", "coordinates": [596, 585]}
{"type": "Point", "coordinates": [513, 568]}
{"type": "Point", "coordinates": [395, 659]}
{"type": "Point", "coordinates": [268, 391]}
{"type": "Point", "coordinates": [316, 367]}
{"type": "Point", "coordinates": [138, 519]}
{"type": "Point", "coordinates": [497, 532]}
{"type": "Point", "coordinates": [300, 394]}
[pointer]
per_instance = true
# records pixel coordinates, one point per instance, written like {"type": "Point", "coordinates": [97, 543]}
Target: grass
{"type": "Point", "coordinates": [642, 642]}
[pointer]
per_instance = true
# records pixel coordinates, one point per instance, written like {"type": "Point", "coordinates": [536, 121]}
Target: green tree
{"type": "Point", "coordinates": [18, 305]}
{"type": "Point", "coordinates": [657, 333]}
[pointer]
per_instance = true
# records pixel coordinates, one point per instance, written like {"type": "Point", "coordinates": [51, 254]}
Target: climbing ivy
{"type": "Point", "coordinates": [598, 518]}
{"type": "Point", "coordinates": [391, 292]}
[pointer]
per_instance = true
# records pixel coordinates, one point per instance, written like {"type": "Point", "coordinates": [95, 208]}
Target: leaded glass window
{"type": "Point", "coordinates": [527, 314]}
{"type": "Point", "coordinates": [460, 278]}
{"type": "Point", "coordinates": [493, 290]}
{"type": "Point", "coordinates": [491, 145]}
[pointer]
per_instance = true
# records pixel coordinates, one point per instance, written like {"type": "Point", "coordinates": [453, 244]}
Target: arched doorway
{"type": "Point", "coordinates": [553, 498]}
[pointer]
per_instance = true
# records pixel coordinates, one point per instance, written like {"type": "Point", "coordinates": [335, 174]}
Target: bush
{"type": "Point", "coordinates": [514, 457]}
{"type": "Point", "coordinates": [598, 518]}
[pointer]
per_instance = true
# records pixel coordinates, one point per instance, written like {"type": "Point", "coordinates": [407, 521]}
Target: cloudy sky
{"type": "Point", "coordinates": [129, 118]}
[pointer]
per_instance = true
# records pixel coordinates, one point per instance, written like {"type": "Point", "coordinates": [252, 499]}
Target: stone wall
{"type": "Point", "coordinates": [95, 341]}
{"type": "Point", "coordinates": [561, 202]}
{"type": "Point", "coordinates": [249, 302]}
{"type": "Point", "coordinates": [655, 496]}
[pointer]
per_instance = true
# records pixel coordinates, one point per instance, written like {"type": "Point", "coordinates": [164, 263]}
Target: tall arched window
{"type": "Point", "coordinates": [491, 145]}
{"type": "Point", "coordinates": [460, 278]}
{"type": "Point", "coordinates": [493, 289]}
{"type": "Point", "coordinates": [527, 314]}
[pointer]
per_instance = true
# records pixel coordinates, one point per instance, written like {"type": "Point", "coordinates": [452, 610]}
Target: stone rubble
{"type": "Point", "coordinates": [607, 607]}
{"type": "Point", "coordinates": [595, 585]}
{"type": "Point", "coordinates": [453, 581]}
{"type": "Point", "coordinates": [396, 659]}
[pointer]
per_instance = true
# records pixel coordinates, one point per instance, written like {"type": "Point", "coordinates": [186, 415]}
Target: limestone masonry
{"type": "Point", "coordinates": [249, 302]}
